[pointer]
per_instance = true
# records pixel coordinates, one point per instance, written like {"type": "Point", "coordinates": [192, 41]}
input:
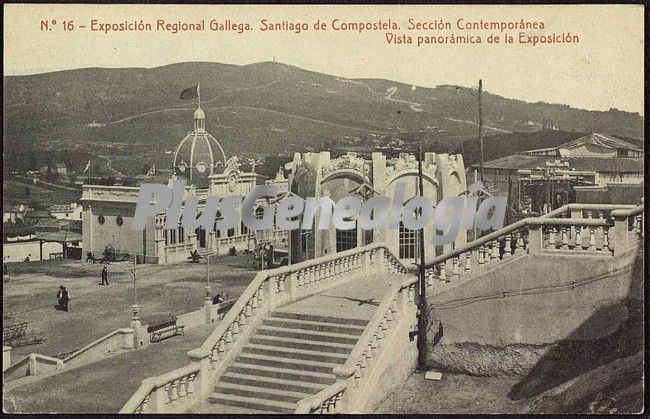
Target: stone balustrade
{"type": "Point", "coordinates": [353, 375]}
{"type": "Point", "coordinates": [577, 228]}
{"type": "Point", "coordinates": [171, 392]}
{"type": "Point", "coordinates": [268, 290]}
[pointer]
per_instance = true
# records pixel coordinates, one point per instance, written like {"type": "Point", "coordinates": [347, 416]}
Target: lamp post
{"type": "Point", "coordinates": [207, 269]}
{"type": "Point", "coordinates": [135, 320]}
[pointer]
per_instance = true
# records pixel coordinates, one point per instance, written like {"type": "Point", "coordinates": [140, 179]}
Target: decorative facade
{"type": "Point", "coordinates": [318, 175]}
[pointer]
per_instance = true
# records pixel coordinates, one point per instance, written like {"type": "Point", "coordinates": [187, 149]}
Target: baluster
{"type": "Point", "coordinates": [638, 227]}
{"type": "Point", "coordinates": [481, 255]}
{"type": "Point", "coordinates": [578, 239]}
{"type": "Point", "coordinates": [374, 343]}
{"type": "Point", "coordinates": [565, 239]}
{"type": "Point", "coordinates": [495, 250]}
{"type": "Point", "coordinates": [229, 335]}
{"type": "Point", "coordinates": [214, 356]}
{"type": "Point", "coordinates": [468, 261]}
{"type": "Point", "coordinates": [300, 278]}
{"type": "Point", "coordinates": [606, 239]}
{"type": "Point", "coordinates": [173, 393]}
{"type": "Point", "coordinates": [357, 371]}
{"type": "Point", "coordinates": [235, 327]}
{"type": "Point", "coordinates": [166, 392]}
{"type": "Point", "coordinates": [551, 237]}
{"type": "Point", "coordinates": [190, 384]}
{"type": "Point", "coordinates": [454, 268]}
{"type": "Point", "coordinates": [592, 239]}
{"type": "Point", "coordinates": [363, 362]}
{"type": "Point", "coordinates": [634, 223]}
{"type": "Point", "coordinates": [222, 345]}
{"type": "Point", "coordinates": [181, 388]}
{"type": "Point", "coordinates": [260, 295]}
{"type": "Point", "coordinates": [281, 283]}
{"type": "Point", "coordinates": [242, 318]}
{"type": "Point", "coordinates": [519, 245]}
{"type": "Point", "coordinates": [249, 309]}
{"type": "Point", "coordinates": [507, 251]}
{"type": "Point", "coordinates": [443, 276]}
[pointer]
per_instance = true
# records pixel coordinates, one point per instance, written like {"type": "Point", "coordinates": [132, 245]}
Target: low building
{"type": "Point", "coordinates": [71, 211]}
{"type": "Point", "coordinates": [108, 211]}
{"type": "Point", "coordinates": [537, 181]}
{"type": "Point", "coordinates": [14, 213]}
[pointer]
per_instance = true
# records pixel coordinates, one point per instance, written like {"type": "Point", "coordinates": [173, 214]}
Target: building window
{"type": "Point", "coordinates": [181, 235]}
{"type": "Point", "coordinates": [101, 220]}
{"type": "Point", "coordinates": [172, 236]}
{"type": "Point", "coordinates": [231, 232]}
{"type": "Point", "coordinates": [119, 221]}
{"type": "Point", "coordinates": [346, 239]}
{"type": "Point", "coordinates": [218, 218]}
{"type": "Point", "coordinates": [165, 236]}
{"type": "Point", "coordinates": [244, 229]}
{"type": "Point", "coordinates": [407, 242]}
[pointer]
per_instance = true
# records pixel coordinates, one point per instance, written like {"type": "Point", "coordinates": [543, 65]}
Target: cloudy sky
{"type": "Point", "coordinates": [604, 70]}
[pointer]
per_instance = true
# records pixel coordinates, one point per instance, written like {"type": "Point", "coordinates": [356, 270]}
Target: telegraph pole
{"type": "Point", "coordinates": [423, 306]}
{"type": "Point", "coordinates": [480, 126]}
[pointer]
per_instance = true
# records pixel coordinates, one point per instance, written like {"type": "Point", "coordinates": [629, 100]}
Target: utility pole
{"type": "Point", "coordinates": [422, 306]}
{"type": "Point", "coordinates": [207, 267]}
{"type": "Point", "coordinates": [135, 320]}
{"type": "Point", "coordinates": [480, 126]}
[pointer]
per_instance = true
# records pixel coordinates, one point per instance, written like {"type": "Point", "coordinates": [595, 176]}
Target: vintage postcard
{"type": "Point", "coordinates": [302, 209]}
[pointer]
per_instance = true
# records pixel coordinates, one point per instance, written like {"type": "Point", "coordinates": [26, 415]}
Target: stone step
{"type": "Point", "coordinates": [270, 382]}
{"type": "Point", "coordinates": [294, 353]}
{"type": "Point", "coordinates": [308, 336]}
{"type": "Point", "coordinates": [289, 364]}
{"type": "Point", "coordinates": [255, 392]}
{"type": "Point", "coordinates": [318, 318]}
{"type": "Point", "coordinates": [283, 342]}
{"type": "Point", "coordinates": [253, 403]}
{"type": "Point", "coordinates": [315, 326]}
{"type": "Point", "coordinates": [261, 370]}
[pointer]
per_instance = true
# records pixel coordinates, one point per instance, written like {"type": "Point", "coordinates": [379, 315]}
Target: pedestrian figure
{"type": "Point", "coordinates": [217, 299]}
{"type": "Point", "coordinates": [65, 299]}
{"type": "Point", "coordinates": [104, 276]}
{"type": "Point", "coordinates": [59, 298]}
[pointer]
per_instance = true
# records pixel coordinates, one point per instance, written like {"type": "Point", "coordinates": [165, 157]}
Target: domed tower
{"type": "Point", "coordinates": [198, 154]}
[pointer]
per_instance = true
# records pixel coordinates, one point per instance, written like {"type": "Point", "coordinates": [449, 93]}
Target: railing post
{"type": "Point", "coordinates": [535, 238]}
{"type": "Point", "coordinates": [618, 236]}
{"type": "Point", "coordinates": [292, 283]}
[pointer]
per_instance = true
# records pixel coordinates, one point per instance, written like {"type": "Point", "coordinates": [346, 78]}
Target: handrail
{"type": "Point", "coordinates": [96, 342]}
{"type": "Point", "coordinates": [206, 349]}
{"type": "Point", "coordinates": [533, 221]}
{"type": "Point", "coordinates": [577, 207]}
{"type": "Point", "coordinates": [307, 404]}
{"type": "Point", "coordinates": [150, 384]}
{"type": "Point", "coordinates": [27, 358]}
{"type": "Point", "coordinates": [347, 369]}
{"type": "Point", "coordinates": [628, 212]}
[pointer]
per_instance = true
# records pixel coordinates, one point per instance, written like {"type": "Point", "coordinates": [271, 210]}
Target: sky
{"type": "Point", "coordinates": [604, 70]}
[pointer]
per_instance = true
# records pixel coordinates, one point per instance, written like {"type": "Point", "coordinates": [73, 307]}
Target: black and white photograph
{"type": "Point", "coordinates": [323, 209]}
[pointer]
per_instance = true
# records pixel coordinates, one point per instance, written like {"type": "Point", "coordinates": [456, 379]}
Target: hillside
{"type": "Point", "coordinates": [132, 116]}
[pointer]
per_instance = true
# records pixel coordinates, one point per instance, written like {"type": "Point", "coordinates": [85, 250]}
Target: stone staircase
{"type": "Point", "coordinates": [289, 357]}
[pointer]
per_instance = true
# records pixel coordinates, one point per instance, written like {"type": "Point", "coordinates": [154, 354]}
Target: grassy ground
{"type": "Point", "coordinates": [103, 387]}
{"type": "Point", "coordinates": [95, 310]}
{"type": "Point", "coordinates": [455, 393]}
